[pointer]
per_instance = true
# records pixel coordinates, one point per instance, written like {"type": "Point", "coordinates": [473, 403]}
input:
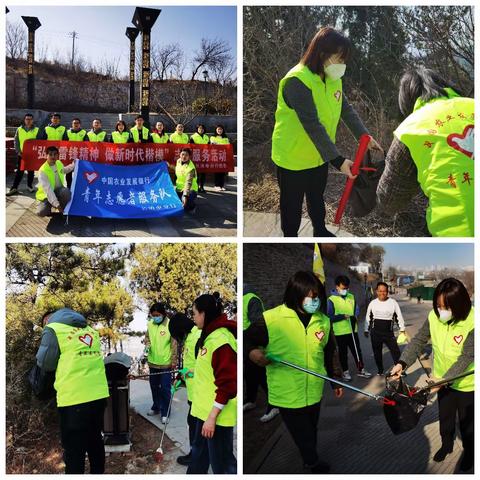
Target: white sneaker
{"type": "Point", "coordinates": [217, 188]}
{"type": "Point", "coordinates": [249, 406]}
{"type": "Point", "coordinates": [363, 373]}
{"type": "Point", "coordinates": [346, 376]}
{"type": "Point", "coordinates": [270, 415]}
{"type": "Point", "coordinates": [152, 413]}
{"type": "Point", "coordinates": [164, 420]}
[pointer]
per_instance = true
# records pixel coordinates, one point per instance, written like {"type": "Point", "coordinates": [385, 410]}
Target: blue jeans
{"type": "Point", "coordinates": [216, 451]}
{"type": "Point", "coordinates": [160, 386]}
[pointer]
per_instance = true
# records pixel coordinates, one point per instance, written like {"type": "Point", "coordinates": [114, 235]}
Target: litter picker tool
{"type": "Point", "coordinates": [355, 344]}
{"type": "Point", "coordinates": [356, 167]}
{"type": "Point", "coordinates": [275, 359]}
{"type": "Point", "coordinates": [404, 405]}
{"type": "Point", "coordinates": [147, 375]}
{"type": "Point", "coordinates": [446, 381]}
{"type": "Point", "coordinates": [159, 452]}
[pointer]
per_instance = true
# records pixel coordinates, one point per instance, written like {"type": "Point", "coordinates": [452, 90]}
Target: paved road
{"type": "Point", "coordinates": [177, 430]}
{"type": "Point", "coordinates": [216, 216]}
{"type": "Point", "coordinates": [264, 224]}
{"type": "Point", "coordinates": [353, 434]}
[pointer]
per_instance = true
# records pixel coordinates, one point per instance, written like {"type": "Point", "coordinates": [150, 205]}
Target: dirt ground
{"type": "Point", "coordinates": [262, 195]}
{"type": "Point", "coordinates": [45, 456]}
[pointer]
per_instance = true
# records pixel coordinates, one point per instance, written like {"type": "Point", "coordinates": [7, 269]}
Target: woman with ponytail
{"type": "Point", "coordinates": [214, 405]}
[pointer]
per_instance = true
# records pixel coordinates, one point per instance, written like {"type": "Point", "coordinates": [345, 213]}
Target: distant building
{"type": "Point", "coordinates": [403, 280]}
{"type": "Point", "coordinates": [361, 267]}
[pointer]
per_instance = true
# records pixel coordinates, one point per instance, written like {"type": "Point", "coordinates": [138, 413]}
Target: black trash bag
{"type": "Point", "coordinates": [42, 383]}
{"type": "Point", "coordinates": [403, 406]}
{"type": "Point", "coordinates": [364, 192]}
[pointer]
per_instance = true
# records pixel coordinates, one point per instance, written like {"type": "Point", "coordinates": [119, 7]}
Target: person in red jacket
{"type": "Point", "coordinates": [212, 443]}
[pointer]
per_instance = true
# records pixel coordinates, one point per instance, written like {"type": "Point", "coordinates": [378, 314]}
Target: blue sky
{"type": "Point", "coordinates": [420, 255]}
{"type": "Point", "coordinates": [102, 29]}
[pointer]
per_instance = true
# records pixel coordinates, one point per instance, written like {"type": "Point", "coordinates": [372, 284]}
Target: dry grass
{"type": "Point", "coordinates": [261, 194]}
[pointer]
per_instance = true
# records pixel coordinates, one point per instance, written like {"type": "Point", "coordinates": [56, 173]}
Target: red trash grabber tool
{"type": "Point", "coordinates": [356, 167]}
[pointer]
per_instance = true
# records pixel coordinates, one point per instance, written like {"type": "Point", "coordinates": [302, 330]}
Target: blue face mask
{"type": "Point", "coordinates": [311, 305]}
{"type": "Point", "coordinates": [157, 320]}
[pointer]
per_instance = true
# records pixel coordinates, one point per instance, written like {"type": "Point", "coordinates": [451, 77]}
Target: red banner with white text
{"type": "Point", "coordinates": [207, 158]}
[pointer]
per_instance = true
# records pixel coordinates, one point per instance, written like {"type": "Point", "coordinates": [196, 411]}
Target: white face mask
{"type": "Point", "coordinates": [343, 292]}
{"type": "Point", "coordinates": [444, 315]}
{"type": "Point", "coordinates": [335, 70]}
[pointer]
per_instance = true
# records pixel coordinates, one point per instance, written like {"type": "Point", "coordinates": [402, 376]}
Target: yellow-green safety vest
{"type": "Point", "coordinates": [96, 137]}
{"type": "Point", "coordinates": [120, 137]}
{"type": "Point", "coordinates": [343, 306]}
{"type": "Point", "coordinates": [135, 136]}
{"type": "Point", "coordinates": [292, 148]}
{"type": "Point", "coordinates": [218, 140]}
{"type": "Point", "coordinates": [181, 172]}
{"type": "Point", "coordinates": [80, 375]}
{"type": "Point", "coordinates": [439, 135]}
{"type": "Point", "coordinates": [188, 356]}
{"type": "Point", "coordinates": [200, 139]}
{"type": "Point", "coordinates": [160, 352]}
{"type": "Point", "coordinates": [289, 340]}
{"type": "Point", "coordinates": [204, 383]}
{"type": "Point", "coordinates": [26, 135]}
{"type": "Point", "coordinates": [76, 136]}
{"type": "Point", "coordinates": [177, 138]}
{"type": "Point", "coordinates": [47, 170]}
{"type": "Point", "coordinates": [55, 133]}
{"type": "Point", "coordinates": [447, 342]}
{"type": "Point", "coordinates": [246, 300]}
{"type": "Point", "coordinates": [160, 138]}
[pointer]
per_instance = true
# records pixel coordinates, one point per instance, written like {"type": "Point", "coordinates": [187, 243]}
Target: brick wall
{"type": "Point", "coordinates": [268, 266]}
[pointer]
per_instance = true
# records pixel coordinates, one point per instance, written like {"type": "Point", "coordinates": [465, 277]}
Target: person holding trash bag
{"type": "Point", "coordinates": [309, 107]}
{"type": "Point", "coordinates": [450, 327]}
{"type": "Point", "coordinates": [158, 349]}
{"type": "Point", "coordinates": [343, 312]}
{"type": "Point", "coordinates": [72, 349]}
{"type": "Point", "coordinates": [297, 331]}
{"type": "Point", "coordinates": [214, 405]}
{"type": "Point", "coordinates": [186, 334]}
{"type": "Point", "coordinates": [432, 150]}
{"type": "Point", "coordinates": [382, 314]}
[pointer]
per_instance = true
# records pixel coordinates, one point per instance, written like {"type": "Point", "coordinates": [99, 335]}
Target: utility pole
{"type": "Point", "coordinates": [73, 35]}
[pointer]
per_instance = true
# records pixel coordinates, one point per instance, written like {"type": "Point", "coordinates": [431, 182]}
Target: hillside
{"type": "Point", "coordinates": [59, 88]}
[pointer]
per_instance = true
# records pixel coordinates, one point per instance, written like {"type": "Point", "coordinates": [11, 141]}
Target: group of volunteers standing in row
{"type": "Point", "coordinates": [432, 148]}
{"type": "Point", "coordinates": [314, 332]}
{"type": "Point", "coordinates": [71, 353]}
{"type": "Point", "coordinates": [121, 134]}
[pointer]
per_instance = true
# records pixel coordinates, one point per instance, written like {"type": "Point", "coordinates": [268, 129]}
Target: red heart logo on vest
{"type": "Point", "coordinates": [319, 335]}
{"type": "Point", "coordinates": [458, 339]}
{"type": "Point", "coordinates": [463, 142]}
{"type": "Point", "coordinates": [87, 339]}
{"type": "Point", "coordinates": [203, 351]}
{"type": "Point", "coordinates": [337, 95]}
{"type": "Point", "coordinates": [91, 176]}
